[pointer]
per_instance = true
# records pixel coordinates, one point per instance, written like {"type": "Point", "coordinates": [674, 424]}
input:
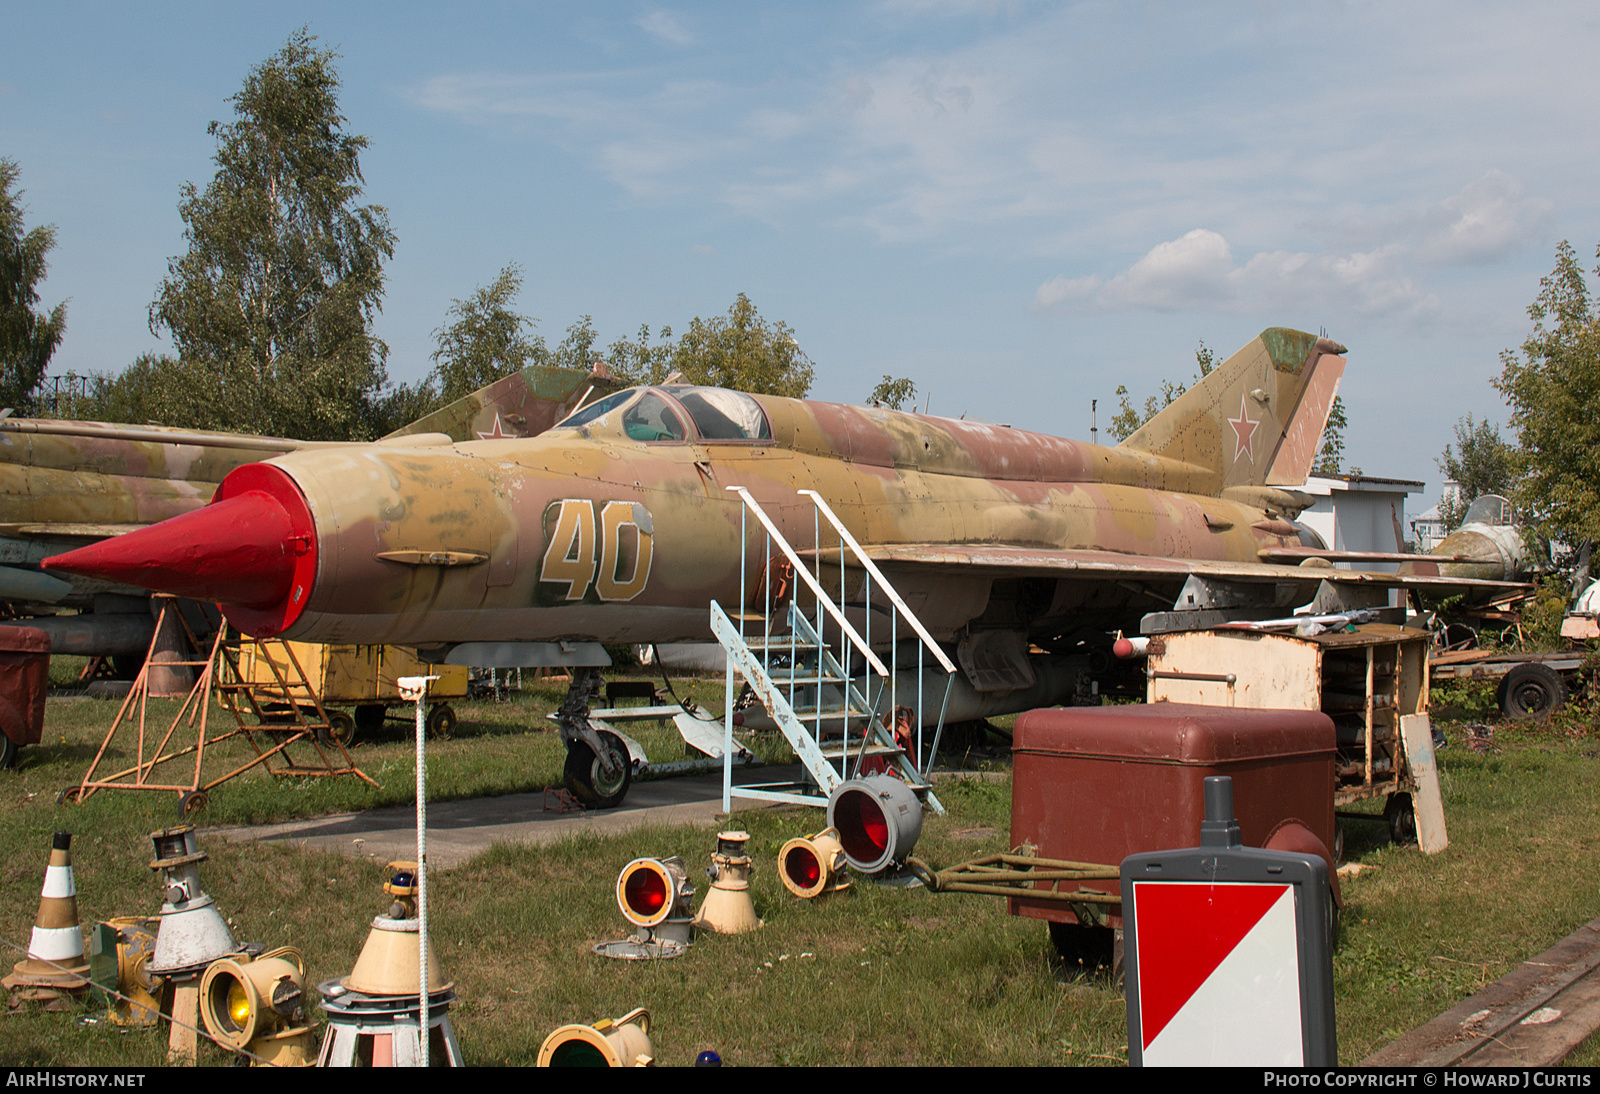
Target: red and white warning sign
{"type": "Point", "coordinates": [1218, 974]}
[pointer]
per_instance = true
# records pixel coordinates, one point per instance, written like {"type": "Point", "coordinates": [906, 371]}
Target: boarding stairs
{"type": "Point", "coordinates": [824, 681]}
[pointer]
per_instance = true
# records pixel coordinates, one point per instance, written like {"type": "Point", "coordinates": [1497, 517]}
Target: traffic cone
{"type": "Point", "coordinates": [55, 967]}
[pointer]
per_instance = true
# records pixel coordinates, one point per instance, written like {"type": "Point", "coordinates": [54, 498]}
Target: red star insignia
{"type": "Point", "coordinates": [1244, 430]}
{"type": "Point", "coordinates": [498, 433]}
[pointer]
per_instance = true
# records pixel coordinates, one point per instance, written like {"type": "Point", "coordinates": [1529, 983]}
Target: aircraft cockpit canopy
{"type": "Point", "coordinates": [651, 415]}
{"type": "Point", "coordinates": [1489, 509]}
{"type": "Point", "coordinates": [722, 415]}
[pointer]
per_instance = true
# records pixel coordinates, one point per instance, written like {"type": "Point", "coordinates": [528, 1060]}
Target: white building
{"type": "Point", "coordinates": [1360, 513]}
{"type": "Point", "coordinates": [1428, 529]}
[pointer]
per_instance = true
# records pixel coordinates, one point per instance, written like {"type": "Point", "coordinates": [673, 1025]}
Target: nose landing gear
{"type": "Point", "coordinates": [598, 770]}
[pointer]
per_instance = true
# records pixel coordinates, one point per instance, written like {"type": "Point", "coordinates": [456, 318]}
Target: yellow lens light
{"type": "Point", "coordinates": [238, 1004]}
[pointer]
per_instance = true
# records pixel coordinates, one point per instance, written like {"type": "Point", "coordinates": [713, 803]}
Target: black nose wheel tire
{"type": "Point", "coordinates": [586, 777]}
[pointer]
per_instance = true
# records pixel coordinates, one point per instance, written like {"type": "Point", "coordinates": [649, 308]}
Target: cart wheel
{"type": "Point", "coordinates": [442, 722]}
{"type": "Point", "coordinates": [1078, 946]}
{"type": "Point", "coordinates": [341, 727]}
{"type": "Point", "coordinates": [1402, 819]}
{"type": "Point", "coordinates": [70, 795]}
{"type": "Point", "coordinates": [369, 717]}
{"type": "Point", "coordinates": [8, 752]}
{"type": "Point", "coordinates": [588, 780]}
{"type": "Point", "coordinates": [1532, 691]}
{"type": "Point", "coordinates": [192, 802]}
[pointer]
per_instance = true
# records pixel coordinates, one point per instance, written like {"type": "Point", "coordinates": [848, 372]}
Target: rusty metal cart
{"type": "Point", "coordinates": [1366, 679]}
{"type": "Point", "coordinates": [361, 677]}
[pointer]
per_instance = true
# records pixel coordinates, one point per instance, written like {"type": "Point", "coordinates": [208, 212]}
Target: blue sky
{"type": "Point", "coordinates": [1018, 205]}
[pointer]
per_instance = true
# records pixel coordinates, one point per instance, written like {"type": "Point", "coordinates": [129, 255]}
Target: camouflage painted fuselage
{"type": "Point", "coordinates": [585, 533]}
{"type": "Point", "coordinates": [618, 524]}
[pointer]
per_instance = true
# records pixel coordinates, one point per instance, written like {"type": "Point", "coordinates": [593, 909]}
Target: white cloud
{"type": "Point", "coordinates": [1085, 130]}
{"type": "Point", "coordinates": [1188, 272]}
{"type": "Point", "coordinates": [1485, 221]}
{"type": "Point", "coordinates": [1197, 271]}
{"type": "Point", "coordinates": [664, 26]}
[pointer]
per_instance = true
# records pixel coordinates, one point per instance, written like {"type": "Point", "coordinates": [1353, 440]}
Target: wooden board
{"type": "Point", "coordinates": [1532, 1017]}
{"type": "Point", "coordinates": [1417, 734]}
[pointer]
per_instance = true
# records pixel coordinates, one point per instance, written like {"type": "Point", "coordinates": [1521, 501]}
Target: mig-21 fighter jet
{"type": "Point", "coordinates": [618, 525]}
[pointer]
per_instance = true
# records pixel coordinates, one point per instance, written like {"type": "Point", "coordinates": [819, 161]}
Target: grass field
{"type": "Point", "coordinates": [870, 976]}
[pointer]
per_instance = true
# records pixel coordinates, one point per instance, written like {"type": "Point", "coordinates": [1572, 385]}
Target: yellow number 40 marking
{"type": "Point", "coordinates": [571, 557]}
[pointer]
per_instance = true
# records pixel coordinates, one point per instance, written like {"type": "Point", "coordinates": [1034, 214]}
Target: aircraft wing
{"type": "Point", "coordinates": [68, 529]}
{"type": "Point", "coordinates": [156, 434]}
{"type": "Point", "coordinates": [1113, 565]}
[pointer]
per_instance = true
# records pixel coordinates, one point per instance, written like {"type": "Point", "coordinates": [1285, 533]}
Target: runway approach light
{"type": "Point", "coordinates": [612, 1042]}
{"type": "Point", "coordinates": [374, 1013]}
{"type": "Point", "coordinates": [878, 820]}
{"type": "Point", "coordinates": [728, 908]}
{"type": "Point", "coordinates": [119, 953]}
{"type": "Point", "coordinates": [809, 866]}
{"type": "Point", "coordinates": [258, 1005]}
{"type": "Point", "coordinates": [192, 933]}
{"type": "Point", "coordinates": [55, 970]}
{"type": "Point", "coordinates": [655, 895]}
{"type": "Point", "coordinates": [191, 936]}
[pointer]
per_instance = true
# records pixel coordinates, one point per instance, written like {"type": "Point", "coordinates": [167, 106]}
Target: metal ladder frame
{"type": "Point", "coordinates": [751, 658]}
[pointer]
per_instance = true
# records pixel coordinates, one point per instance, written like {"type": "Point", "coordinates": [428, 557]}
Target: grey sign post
{"type": "Point", "coordinates": [1228, 951]}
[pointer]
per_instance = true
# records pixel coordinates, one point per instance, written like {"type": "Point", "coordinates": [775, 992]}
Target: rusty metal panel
{"type": "Point", "coordinates": [1235, 670]}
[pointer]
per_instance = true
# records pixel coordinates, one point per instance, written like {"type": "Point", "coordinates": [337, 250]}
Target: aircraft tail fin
{"type": "Point", "coordinates": [1257, 419]}
{"type": "Point", "coordinates": [522, 404]}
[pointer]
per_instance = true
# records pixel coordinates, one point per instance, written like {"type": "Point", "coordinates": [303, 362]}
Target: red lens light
{"type": "Point", "coordinates": [863, 829]}
{"type": "Point", "coordinates": [645, 891]}
{"type": "Point", "coordinates": [801, 867]}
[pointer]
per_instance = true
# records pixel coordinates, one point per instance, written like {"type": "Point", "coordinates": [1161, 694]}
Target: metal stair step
{"type": "Point", "coordinates": [829, 714]}
{"type": "Point", "coordinates": [803, 676]}
{"type": "Point", "coordinates": [834, 752]}
{"type": "Point", "coordinates": [782, 644]}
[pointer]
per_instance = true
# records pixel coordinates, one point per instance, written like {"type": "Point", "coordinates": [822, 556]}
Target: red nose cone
{"type": "Point", "coordinates": [252, 550]}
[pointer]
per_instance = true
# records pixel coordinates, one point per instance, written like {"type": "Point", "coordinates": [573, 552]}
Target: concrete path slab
{"type": "Point", "coordinates": [459, 830]}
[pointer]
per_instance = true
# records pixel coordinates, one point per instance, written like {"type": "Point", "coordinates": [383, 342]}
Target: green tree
{"type": "Point", "coordinates": [1481, 462]}
{"type": "Point", "coordinates": [1127, 420]}
{"type": "Point", "coordinates": [1330, 458]}
{"type": "Point", "coordinates": [641, 360]}
{"type": "Point", "coordinates": [892, 392]}
{"type": "Point", "coordinates": [271, 309]}
{"type": "Point", "coordinates": [486, 341]}
{"type": "Point", "coordinates": [1553, 390]}
{"type": "Point", "coordinates": [741, 350]}
{"type": "Point", "coordinates": [28, 338]}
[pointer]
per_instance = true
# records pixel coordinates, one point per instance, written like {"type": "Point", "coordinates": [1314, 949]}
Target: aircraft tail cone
{"type": "Point", "coordinates": [55, 965]}
{"type": "Point", "coordinates": [252, 550]}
